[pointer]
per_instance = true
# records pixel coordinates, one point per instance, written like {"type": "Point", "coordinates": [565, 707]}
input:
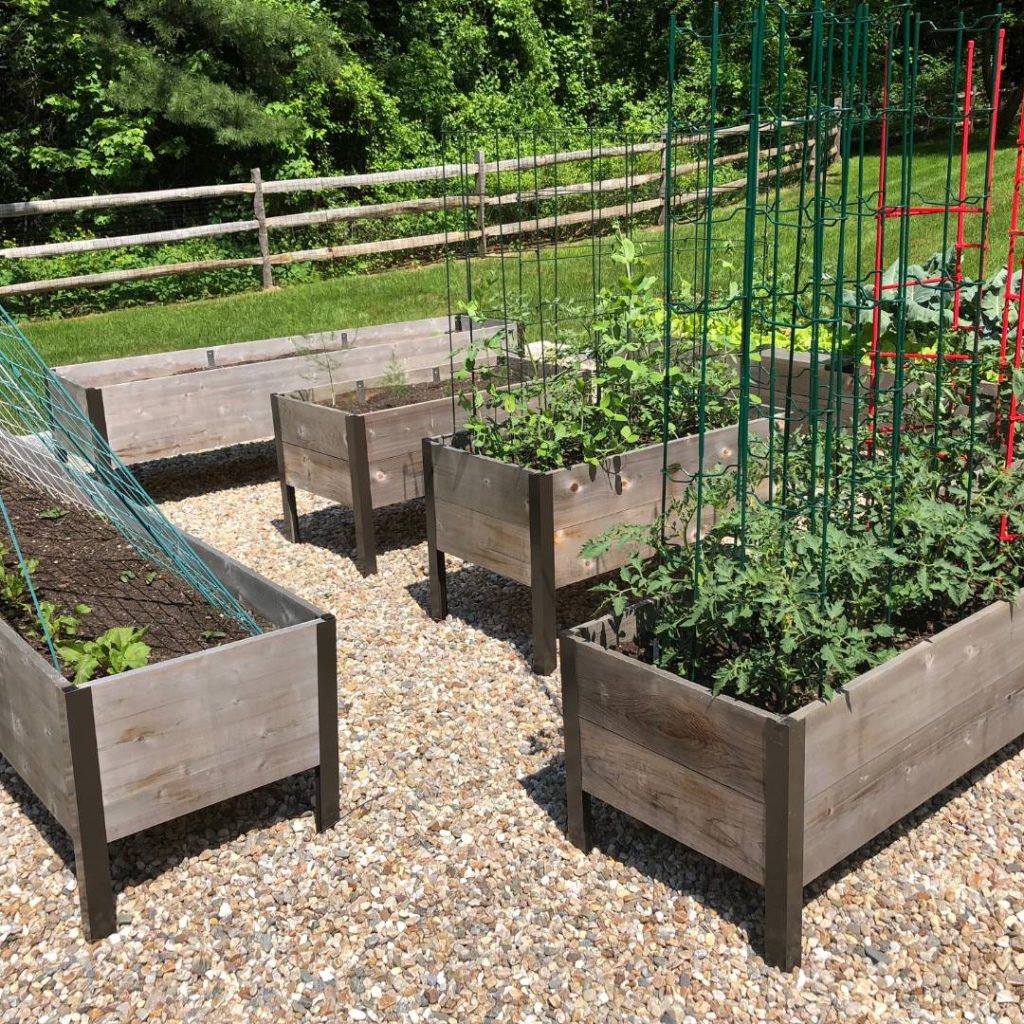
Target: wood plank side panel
{"type": "Point", "coordinates": [943, 734]}
{"type": "Point", "coordinates": [312, 471]}
{"type": "Point", "coordinates": [320, 428]}
{"type": "Point", "coordinates": [881, 708]}
{"type": "Point", "coordinates": [627, 490]}
{"type": "Point", "coordinates": [401, 431]}
{"type": "Point", "coordinates": [184, 734]}
{"type": "Point", "coordinates": [158, 364]}
{"type": "Point", "coordinates": [488, 541]}
{"type": "Point", "coordinates": [492, 488]}
{"type": "Point", "coordinates": [719, 738]}
{"type": "Point", "coordinates": [712, 819]}
{"type": "Point", "coordinates": [33, 725]}
{"type": "Point", "coordinates": [396, 479]}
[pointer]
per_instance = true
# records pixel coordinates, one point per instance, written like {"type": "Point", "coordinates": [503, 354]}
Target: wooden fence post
{"type": "Point", "coordinates": [260, 212]}
{"type": "Point", "coordinates": [833, 150]}
{"type": "Point", "coordinates": [481, 194]}
{"type": "Point", "coordinates": [665, 183]}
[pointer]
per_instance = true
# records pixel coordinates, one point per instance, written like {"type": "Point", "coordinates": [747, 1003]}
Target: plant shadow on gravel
{"type": "Point", "coordinates": [191, 476]}
{"type": "Point", "coordinates": [396, 527]}
{"type": "Point", "coordinates": [500, 607]}
{"type": "Point", "coordinates": [146, 855]}
{"type": "Point", "coordinates": [728, 894]}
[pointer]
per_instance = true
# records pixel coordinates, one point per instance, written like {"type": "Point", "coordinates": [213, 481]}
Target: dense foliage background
{"type": "Point", "coordinates": [100, 95]}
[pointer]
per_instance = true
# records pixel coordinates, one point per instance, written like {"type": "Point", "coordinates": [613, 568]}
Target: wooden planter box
{"type": "Point", "coordinates": [364, 460]}
{"type": "Point", "coordinates": [121, 754]}
{"type": "Point", "coordinates": [154, 406]}
{"type": "Point", "coordinates": [529, 525]}
{"type": "Point", "coordinates": [782, 799]}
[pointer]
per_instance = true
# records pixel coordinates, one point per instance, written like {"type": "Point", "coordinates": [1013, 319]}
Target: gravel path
{"type": "Point", "coordinates": [448, 891]}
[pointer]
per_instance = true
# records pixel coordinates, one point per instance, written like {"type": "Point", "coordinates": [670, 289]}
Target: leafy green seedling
{"type": "Point", "coordinates": [210, 635]}
{"type": "Point", "coordinates": [56, 512]}
{"type": "Point", "coordinates": [119, 649]}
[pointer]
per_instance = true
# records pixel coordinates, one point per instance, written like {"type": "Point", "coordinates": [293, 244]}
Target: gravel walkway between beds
{"type": "Point", "coordinates": [448, 891]}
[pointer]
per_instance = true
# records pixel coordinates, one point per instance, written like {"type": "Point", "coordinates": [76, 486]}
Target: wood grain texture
{"type": "Point", "coordinates": [718, 737]}
{"type": "Point", "coordinates": [712, 819]}
{"type": "Point", "coordinates": [881, 708]}
{"type": "Point", "coordinates": [33, 725]}
{"type": "Point", "coordinates": [320, 428]}
{"type": "Point", "coordinates": [478, 484]}
{"type": "Point", "coordinates": [158, 364]}
{"type": "Point", "coordinates": [312, 471]}
{"type": "Point", "coordinates": [172, 403]}
{"type": "Point", "coordinates": [184, 734]}
{"type": "Point", "coordinates": [489, 541]}
{"type": "Point", "coordinates": [396, 479]}
{"type": "Point", "coordinates": [910, 728]}
{"type": "Point", "coordinates": [400, 431]}
{"type": "Point", "coordinates": [626, 489]}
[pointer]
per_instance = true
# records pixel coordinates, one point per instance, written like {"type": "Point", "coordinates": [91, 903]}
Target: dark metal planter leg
{"type": "Point", "coordinates": [435, 559]}
{"type": "Point", "coordinates": [362, 499]}
{"type": "Point", "coordinates": [542, 573]}
{"type": "Point", "coordinates": [327, 808]}
{"type": "Point", "coordinates": [784, 843]}
{"type": "Point", "coordinates": [579, 818]}
{"type": "Point", "coordinates": [89, 834]}
{"type": "Point", "coordinates": [288, 506]}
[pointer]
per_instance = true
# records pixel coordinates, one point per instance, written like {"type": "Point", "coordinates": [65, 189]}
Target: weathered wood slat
{"type": "Point", "coordinates": [160, 364]}
{"type": "Point", "coordinates": [720, 738]}
{"type": "Point", "coordinates": [879, 709]}
{"type": "Point", "coordinates": [396, 478]}
{"type": "Point", "coordinates": [880, 792]}
{"type": "Point", "coordinates": [33, 724]}
{"type": "Point", "coordinates": [479, 484]}
{"type": "Point", "coordinates": [712, 819]}
{"type": "Point", "coordinates": [184, 734]}
{"type": "Point", "coordinates": [585, 492]}
{"type": "Point", "coordinates": [476, 536]}
{"type": "Point", "coordinates": [313, 471]}
{"type": "Point", "coordinates": [172, 413]}
{"type": "Point", "coordinates": [320, 428]}
{"type": "Point", "coordinates": [391, 432]}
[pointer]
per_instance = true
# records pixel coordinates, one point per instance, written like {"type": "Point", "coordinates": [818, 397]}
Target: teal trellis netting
{"type": "Point", "coordinates": [47, 440]}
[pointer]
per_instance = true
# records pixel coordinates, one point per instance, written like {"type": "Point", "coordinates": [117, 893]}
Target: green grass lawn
{"type": "Point", "coordinates": [572, 272]}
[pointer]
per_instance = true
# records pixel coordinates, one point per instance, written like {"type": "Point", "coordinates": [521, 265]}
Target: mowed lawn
{"type": "Point", "coordinates": [573, 272]}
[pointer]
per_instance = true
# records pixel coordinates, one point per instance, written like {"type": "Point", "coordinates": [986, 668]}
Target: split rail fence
{"type": "Point", "coordinates": [471, 177]}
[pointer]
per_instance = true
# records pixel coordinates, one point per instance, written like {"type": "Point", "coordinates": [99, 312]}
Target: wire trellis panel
{"type": "Point", "coordinates": [47, 440]}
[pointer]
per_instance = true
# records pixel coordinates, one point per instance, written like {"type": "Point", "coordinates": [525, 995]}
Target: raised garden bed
{"type": "Point", "coordinates": [362, 448]}
{"type": "Point", "coordinates": [781, 799]}
{"type": "Point", "coordinates": [154, 406]}
{"type": "Point", "coordinates": [529, 525]}
{"type": "Point", "coordinates": [215, 714]}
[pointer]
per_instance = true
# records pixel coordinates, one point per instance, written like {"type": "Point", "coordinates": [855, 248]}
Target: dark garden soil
{"type": "Point", "coordinates": [395, 397]}
{"type": "Point", "coordinates": [83, 559]}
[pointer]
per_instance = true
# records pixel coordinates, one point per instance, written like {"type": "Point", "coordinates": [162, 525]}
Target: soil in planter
{"type": "Point", "coordinates": [83, 559]}
{"type": "Point", "coordinates": [399, 395]}
{"type": "Point", "coordinates": [394, 397]}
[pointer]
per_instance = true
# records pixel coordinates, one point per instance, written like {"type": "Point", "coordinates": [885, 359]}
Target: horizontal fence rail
{"type": "Point", "coordinates": [471, 174]}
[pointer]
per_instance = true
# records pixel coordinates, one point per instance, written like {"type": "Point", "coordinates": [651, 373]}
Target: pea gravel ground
{"type": "Point", "coordinates": [448, 891]}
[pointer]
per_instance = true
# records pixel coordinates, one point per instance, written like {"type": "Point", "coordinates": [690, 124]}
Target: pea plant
{"type": "Point", "coordinates": [603, 393]}
{"type": "Point", "coordinates": [797, 611]}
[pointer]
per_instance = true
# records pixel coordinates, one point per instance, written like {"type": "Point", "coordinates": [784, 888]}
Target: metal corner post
{"type": "Point", "coordinates": [89, 833]}
{"type": "Point", "coordinates": [327, 797]}
{"type": "Point", "coordinates": [784, 842]}
{"type": "Point", "coordinates": [542, 573]}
